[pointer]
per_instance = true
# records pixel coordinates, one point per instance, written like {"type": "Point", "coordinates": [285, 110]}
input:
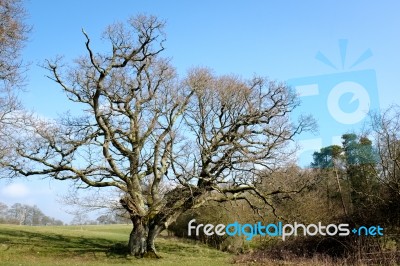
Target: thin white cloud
{"type": "Point", "coordinates": [15, 190]}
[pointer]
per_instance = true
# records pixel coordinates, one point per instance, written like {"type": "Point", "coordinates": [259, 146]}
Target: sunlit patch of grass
{"type": "Point", "coordinates": [94, 245]}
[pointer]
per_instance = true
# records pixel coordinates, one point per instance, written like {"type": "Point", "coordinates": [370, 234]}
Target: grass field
{"type": "Point", "coordinates": [95, 245]}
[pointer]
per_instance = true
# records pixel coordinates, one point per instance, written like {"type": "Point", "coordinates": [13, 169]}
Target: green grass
{"type": "Point", "coordinates": [95, 245]}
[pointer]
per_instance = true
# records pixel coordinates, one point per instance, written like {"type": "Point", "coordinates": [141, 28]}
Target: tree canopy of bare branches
{"type": "Point", "coordinates": [13, 34]}
{"type": "Point", "coordinates": [385, 127]}
{"type": "Point", "coordinates": [167, 143]}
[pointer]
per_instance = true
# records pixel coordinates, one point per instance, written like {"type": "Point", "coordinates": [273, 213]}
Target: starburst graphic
{"type": "Point", "coordinates": [343, 43]}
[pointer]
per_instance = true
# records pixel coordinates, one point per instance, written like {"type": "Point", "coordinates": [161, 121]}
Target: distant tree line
{"type": "Point", "coordinates": [112, 218]}
{"type": "Point", "coordinates": [24, 214]}
{"type": "Point", "coordinates": [107, 218]}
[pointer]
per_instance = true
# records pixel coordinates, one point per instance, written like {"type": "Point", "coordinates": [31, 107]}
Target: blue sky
{"type": "Point", "coordinates": [278, 39]}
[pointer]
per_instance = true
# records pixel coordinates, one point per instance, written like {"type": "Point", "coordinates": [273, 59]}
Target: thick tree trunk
{"type": "Point", "coordinates": [141, 240]}
{"type": "Point", "coordinates": [144, 232]}
{"type": "Point", "coordinates": [137, 239]}
{"type": "Point", "coordinates": [154, 231]}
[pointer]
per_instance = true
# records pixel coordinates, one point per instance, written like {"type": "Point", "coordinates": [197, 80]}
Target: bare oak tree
{"type": "Point", "coordinates": [167, 144]}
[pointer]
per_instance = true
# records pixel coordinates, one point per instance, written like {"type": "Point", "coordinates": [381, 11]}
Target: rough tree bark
{"type": "Point", "coordinates": [138, 237]}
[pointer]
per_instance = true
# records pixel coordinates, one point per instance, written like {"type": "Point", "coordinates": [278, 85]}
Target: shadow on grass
{"type": "Point", "coordinates": [185, 247]}
{"type": "Point", "coordinates": [57, 243]}
{"type": "Point", "coordinates": [28, 241]}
